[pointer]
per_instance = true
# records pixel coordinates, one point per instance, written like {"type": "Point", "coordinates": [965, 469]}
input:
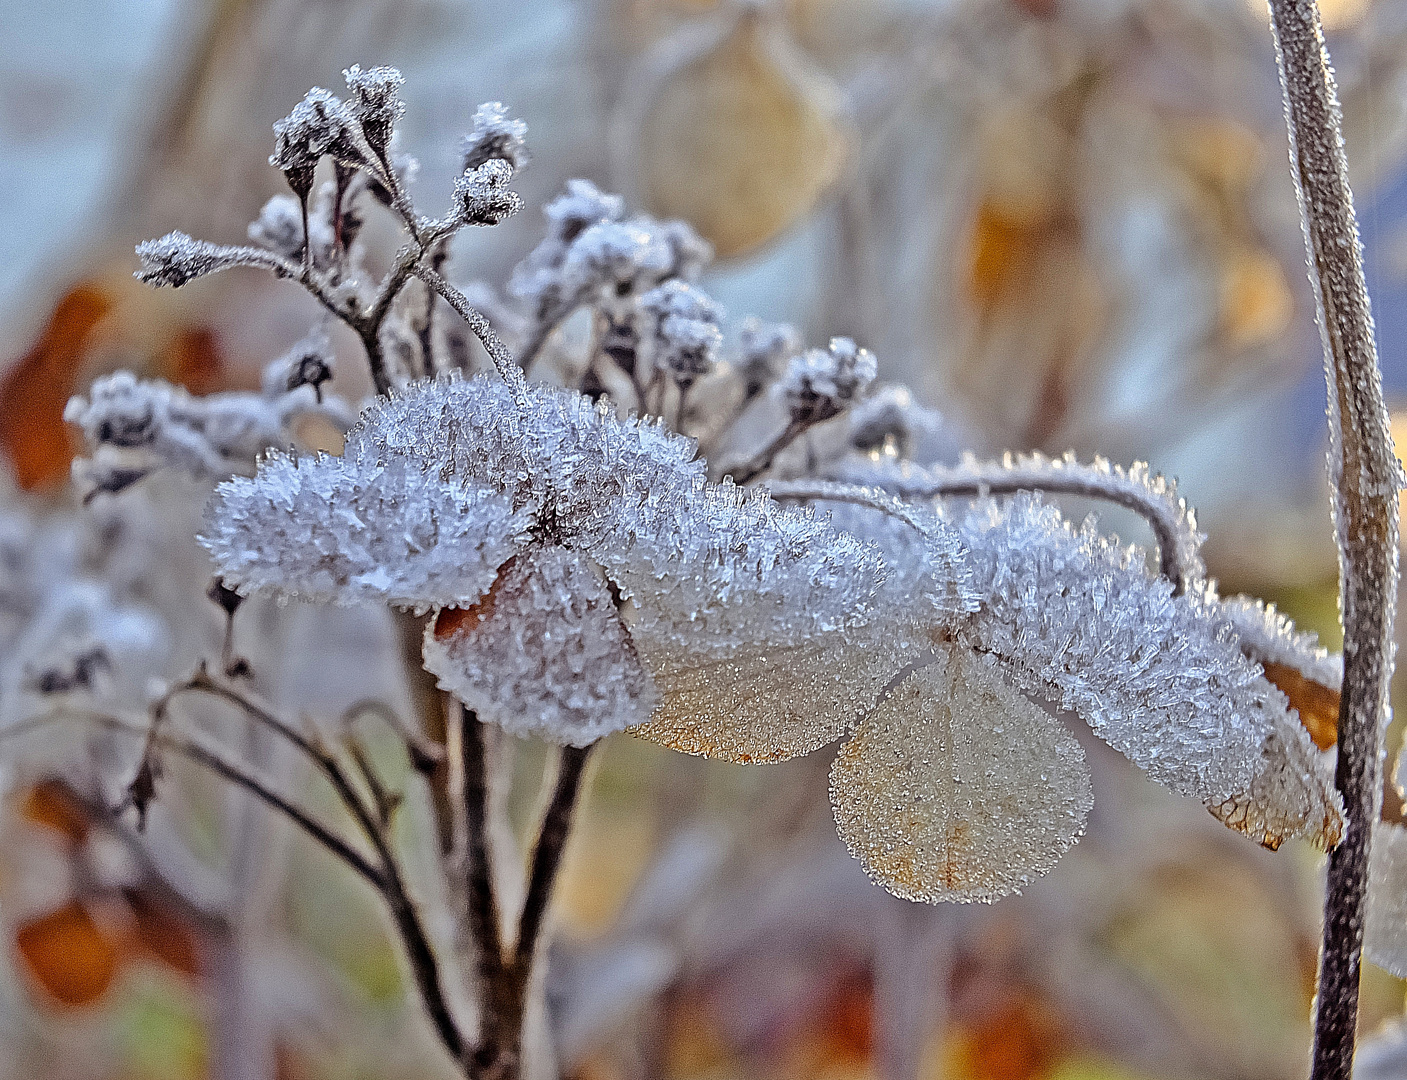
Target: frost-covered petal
{"type": "Point", "coordinates": [543, 653]}
{"type": "Point", "coordinates": [355, 529]}
{"type": "Point", "coordinates": [957, 787]}
{"type": "Point", "coordinates": [1079, 620]}
{"type": "Point", "coordinates": [1291, 795]}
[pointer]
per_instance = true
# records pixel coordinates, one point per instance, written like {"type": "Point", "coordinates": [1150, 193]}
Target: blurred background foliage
{"type": "Point", "coordinates": [1066, 223]}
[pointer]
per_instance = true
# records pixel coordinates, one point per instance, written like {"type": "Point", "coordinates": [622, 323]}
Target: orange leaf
{"type": "Point", "coordinates": [69, 954]}
{"type": "Point", "coordinates": [54, 804]}
{"type": "Point", "coordinates": [452, 620]}
{"type": "Point", "coordinates": [1317, 705]}
{"type": "Point", "coordinates": [35, 390]}
{"type": "Point", "coordinates": [194, 359]}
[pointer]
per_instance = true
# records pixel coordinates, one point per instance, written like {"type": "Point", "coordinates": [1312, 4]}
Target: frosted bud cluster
{"type": "Point", "coordinates": [764, 349]}
{"type": "Point", "coordinates": [279, 227]}
{"type": "Point", "coordinates": [686, 330]}
{"type": "Point", "coordinates": [482, 197]}
{"type": "Point", "coordinates": [176, 259]}
{"type": "Point", "coordinates": [135, 426]}
{"type": "Point", "coordinates": [822, 383]}
{"type": "Point", "coordinates": [319, 125]}
{"type": "Point", "coordinates": [376, 102]}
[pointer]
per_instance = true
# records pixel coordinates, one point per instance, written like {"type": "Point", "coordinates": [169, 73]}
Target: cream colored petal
{"type": "Point", "coordinates": [958, 787]}
{"type": "Point", "coordinates": [1290, 796]}
{"type": "Point", "coordinates": [766, 703]}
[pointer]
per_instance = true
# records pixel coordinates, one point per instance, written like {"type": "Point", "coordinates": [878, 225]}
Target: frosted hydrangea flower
{"type": "Point", "coordinates": [495, 136]}
{"type": "Point", "coordinates": [955, 785]}
{"type": "Point", "coordinates": [582, 568]}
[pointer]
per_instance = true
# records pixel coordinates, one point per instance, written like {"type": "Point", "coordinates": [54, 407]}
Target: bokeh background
{"type": "Point", "coordinates": [1067, 224]}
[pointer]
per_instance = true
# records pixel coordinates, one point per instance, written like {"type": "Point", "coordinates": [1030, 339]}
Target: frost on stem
{"type": "Point", "coordinates": [176, 259]}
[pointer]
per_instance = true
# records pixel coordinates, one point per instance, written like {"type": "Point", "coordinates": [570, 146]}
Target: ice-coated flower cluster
{"type": "Point", "coordinates": [444, 484]}
{"type": "Point", "coordinates": [587, 578]}
{"type": "Point", "coordinates": [822, 383]}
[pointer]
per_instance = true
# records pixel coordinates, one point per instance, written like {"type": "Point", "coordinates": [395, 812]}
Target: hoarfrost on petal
{"type": "Point", "coordinates": [356, 529]}
{"type": "Point", "coordinates": [544, 653]}
{"type": "Point", "coordinates": [957, 787]}
{"type": "Point", "coordinates": [1385, 923]}
{"type": "Point", "coordinates": [1078, 619]}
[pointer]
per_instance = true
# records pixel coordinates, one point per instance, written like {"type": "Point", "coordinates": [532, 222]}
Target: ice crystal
{"type": "Point", "coordinates": [495, 136]}
{"type": "Point", "coordinates": [999, 792]}
{"type": "Point", "coordinates": [822, 383]}
{"type": "Point", "coordinates": [441, 484]}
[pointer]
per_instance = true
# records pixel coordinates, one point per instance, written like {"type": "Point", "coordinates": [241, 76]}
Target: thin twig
{"type": "Point", "coordinates": [481, 902]}
{"type": "Point", "coordinates": [762, 462]}
{"type": "Point", "coordinates": [498, 352]}
{"type": "Point", "coordinates": [1365, 479]}
{"type": "Point", "coordinates": [548, 852]}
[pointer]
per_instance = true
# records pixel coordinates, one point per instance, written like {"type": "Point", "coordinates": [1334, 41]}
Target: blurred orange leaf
{"type": "Point", "coordinates": [52, 803]}
{"type": "Point", "coordinates": [36, 389]}
{"type": "Point", "coordinates": [69, 954]}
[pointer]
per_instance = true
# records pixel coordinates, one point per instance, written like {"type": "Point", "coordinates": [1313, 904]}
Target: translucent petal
{"type": "Point", "coordinates": [354, 529]}
{"type": "Point", "coordinates": [958, 787]}
{"type": "Point", "coordinates": [544, 653]}
{"type": "Point", "coordinates": [1292, 795]}
{"type": "Point", "coordinates": [1385, 924]}
{"type": "Point", "coordinates": [765, 704]}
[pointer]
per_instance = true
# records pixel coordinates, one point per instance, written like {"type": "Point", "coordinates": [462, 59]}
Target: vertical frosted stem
{"type": "Point", "coordinates": [1365, 478]}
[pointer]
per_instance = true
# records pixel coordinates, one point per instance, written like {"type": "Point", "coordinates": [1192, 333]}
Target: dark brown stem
{"type": "Point", "coordinates": [481, 902]}
{"type": "Point", "coordinates": [1365, 479]}
{"type": "Point", "coordinates": [548, 852]}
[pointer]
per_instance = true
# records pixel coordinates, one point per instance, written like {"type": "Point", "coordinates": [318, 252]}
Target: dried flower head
{"type": "Point", "coordinates": [495, 137]}
{"type": "Point", "coordinates": [482, 197]}
{"type": "Point", "coordinates": [822, 383]}
{"type": "Point", "coordinates": [376, 103]}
